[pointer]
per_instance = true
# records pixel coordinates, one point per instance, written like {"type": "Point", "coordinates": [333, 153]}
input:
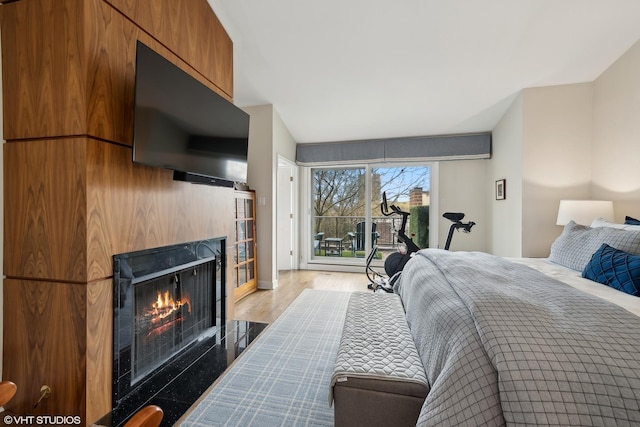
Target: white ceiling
{"type": "Point", "coordinates": [359, 69]}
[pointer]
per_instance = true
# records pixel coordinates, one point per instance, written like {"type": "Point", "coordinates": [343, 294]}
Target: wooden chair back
{"type": "Point", "coordinates": [7, 390]}
{"type": "Point", "coordinates": [149, 416]}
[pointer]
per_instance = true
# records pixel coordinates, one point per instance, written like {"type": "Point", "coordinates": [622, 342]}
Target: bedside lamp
{"type": "Point", "coordinates": [584, 211]}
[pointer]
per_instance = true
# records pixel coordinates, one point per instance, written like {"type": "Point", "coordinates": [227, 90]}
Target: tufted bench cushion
{"type": "Point", "coordinates": [378, 378]}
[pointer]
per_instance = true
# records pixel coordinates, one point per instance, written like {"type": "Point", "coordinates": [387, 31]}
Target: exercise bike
{"type": "Point", "coordinates": [395, 262]}
{"type": "Point", "coordinates": [456, 218]}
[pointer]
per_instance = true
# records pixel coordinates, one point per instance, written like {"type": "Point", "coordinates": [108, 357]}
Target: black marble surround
{"type": "Point", "coordinates": [177, 386]}
{"type": "Point", "coordinates": [181, 380]}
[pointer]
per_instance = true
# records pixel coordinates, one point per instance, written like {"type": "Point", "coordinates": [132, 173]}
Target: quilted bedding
{"type": "Point", "coordinates": [376, 343]}
{"type": "Point", "coordinates": [502, 343]}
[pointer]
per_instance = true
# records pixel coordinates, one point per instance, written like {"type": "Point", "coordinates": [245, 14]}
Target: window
{"type": "Point", "coordinates": [339, 200]}
{"type": "Point", "coordinates": [345, 210]}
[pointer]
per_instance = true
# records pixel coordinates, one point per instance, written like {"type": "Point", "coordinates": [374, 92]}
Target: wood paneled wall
{"type": "Point", "coordinates": [166, 20]}
{"type": "Point", "coordinates": [46, 206]}
{"type": "Point", "coordinates": [73, 197]}
{"type": "Point", "coordinates": [72, 62]}
{"type": "Point", "coordinates": [44, 344]}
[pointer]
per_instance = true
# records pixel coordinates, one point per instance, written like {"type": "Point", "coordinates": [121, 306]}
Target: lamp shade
{"type": "Point", "coordinates": [584, 211]}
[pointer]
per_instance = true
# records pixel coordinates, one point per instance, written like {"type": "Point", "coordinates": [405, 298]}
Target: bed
{"type": "Point", "coordinates": [528, 341]}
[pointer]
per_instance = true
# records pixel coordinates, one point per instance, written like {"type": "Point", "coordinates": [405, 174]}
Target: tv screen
{"type": "Point", "coordinates": [182, 125]}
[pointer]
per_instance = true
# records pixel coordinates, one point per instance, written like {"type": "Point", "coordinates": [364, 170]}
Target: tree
{"type": "Point", "coordinates": [337, 193]}
{"type": "Point", "coordinates": [398, 182]}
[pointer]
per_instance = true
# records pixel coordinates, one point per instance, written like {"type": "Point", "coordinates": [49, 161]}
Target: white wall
{"type": "Point", "coordinates": [543, 147]}
{"type": "Point", "coordinates": [505, 226]}
{"type": "Point", "coordinates": [283, 142]}
{"type": "Point", "coordinates": [268, 138]}
{"type": "Point", "coordinates": [284, 146]}
{"type": "Point", "coordinates": [570, 141]}
{"type": "Point", "coordinates": [616, 147]}
{"type": "Point", "coordinates": [461, 189]}
{"type": "Point", "coordinates": [579, 141]}
{"type": "Point", "coordinates": [259, 178]}
{"type": "Point", "coordinates": [556, 159]}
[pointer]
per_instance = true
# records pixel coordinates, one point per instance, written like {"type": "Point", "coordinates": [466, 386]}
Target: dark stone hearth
{"type": "Point", "coordinates": [179, 384]}
{"type": "Point", "coordinates": [170, 335]}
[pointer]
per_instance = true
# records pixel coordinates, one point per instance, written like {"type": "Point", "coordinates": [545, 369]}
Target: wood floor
{"type": "Point", "coordinates": [266, 305]}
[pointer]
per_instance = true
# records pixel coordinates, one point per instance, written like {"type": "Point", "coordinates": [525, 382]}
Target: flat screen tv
{"type": "Point", "coordinates": [182, 125]}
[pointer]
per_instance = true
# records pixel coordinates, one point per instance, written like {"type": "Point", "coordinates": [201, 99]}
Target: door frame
{"type": "Point", "coordinates": [291, 186]}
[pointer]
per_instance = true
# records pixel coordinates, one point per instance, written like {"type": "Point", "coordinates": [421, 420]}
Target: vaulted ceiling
{"type": "Point", "coordinates": [360, 69]}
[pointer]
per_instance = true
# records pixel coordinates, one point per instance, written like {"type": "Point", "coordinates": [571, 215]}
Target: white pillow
{"type": "Point", "coordinates": [601, 222]}
{"type": "Point", "coordinates": [577, 243]}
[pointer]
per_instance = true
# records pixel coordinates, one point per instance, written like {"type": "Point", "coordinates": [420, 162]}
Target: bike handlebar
{"type": "Point", "coordinates": [384, 207]}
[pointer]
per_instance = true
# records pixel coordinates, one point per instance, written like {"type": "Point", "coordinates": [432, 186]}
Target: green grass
{"type": "Point", "coordinates": [346, 254]}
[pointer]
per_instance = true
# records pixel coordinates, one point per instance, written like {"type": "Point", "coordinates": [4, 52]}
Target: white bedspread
{"type": "Point", "coordinates": [575, 279]}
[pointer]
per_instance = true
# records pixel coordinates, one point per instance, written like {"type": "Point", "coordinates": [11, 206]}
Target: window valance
{"type": "Point", "coordinates": [424, 148]}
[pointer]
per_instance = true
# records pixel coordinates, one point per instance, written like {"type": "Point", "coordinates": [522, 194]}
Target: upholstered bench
{"type": "Point", "coordinates": [378, 378]}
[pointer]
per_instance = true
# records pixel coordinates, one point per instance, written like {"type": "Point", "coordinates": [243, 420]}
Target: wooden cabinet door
{"type": "Point", "coordinates": [245, 280]}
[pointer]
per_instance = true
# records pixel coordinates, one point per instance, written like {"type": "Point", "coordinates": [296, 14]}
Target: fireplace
{"type": "Point", "coordinates": [166, 301]}
{"type": "Point", "coordinates": [170, 312]}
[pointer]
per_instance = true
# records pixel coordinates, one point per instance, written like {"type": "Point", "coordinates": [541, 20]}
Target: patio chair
{"type": "Point", "coordinates": [317, 242]}
{"type": "Point", "coordinates": [360, 235]}
{"type": "Point", "coordinates": [351, 238]}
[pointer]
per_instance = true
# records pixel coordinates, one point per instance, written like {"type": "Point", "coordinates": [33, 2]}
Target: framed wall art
{"type": "Point", "coordinates": [501, 189]}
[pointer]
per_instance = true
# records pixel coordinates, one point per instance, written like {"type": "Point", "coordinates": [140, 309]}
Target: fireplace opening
{"type": "Point", "coordinates": [166, 300]}
{"type": "Point", "coordinates": [170, 313]}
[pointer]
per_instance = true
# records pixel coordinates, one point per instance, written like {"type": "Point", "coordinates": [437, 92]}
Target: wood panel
{"type": "Point", "coordinates": [110, 72]}
{"type": "Point", "coordinates": [111, 58]}
{"type": "Point", "coordinates": [99, 354]}
{"type": "Point", "coordinates": [43, 68]}
{"type": "Point", "coordinates": [127, 207]}
{"type": "Point", "coordinates": [45, 343]}
{"type": "Point", "coordinates": [45, 210]}
{"type": "Point", "coordinates": [132, 207]}
{"type": "Point", "coordinates": [191, 30]}
{"type": "Point", "coordinates": [73, 197]}
{"type": "Point", "coordinates": [56, 85]}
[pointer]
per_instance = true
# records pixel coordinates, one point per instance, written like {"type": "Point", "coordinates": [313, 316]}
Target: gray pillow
{"type": "Point", "coordinates": [577, 243]}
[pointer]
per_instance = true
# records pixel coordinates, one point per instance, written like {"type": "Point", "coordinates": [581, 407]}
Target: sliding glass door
{"type": "Point", "coordinates": [338, 207]}
{"type": "Point", "coordinates": [407, 188]}
{"type": "Point", "coordinates": [347, 222]}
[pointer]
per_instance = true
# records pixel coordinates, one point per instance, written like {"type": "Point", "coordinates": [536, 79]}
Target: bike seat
{"type": "Point", "coordinates": [453, 216]}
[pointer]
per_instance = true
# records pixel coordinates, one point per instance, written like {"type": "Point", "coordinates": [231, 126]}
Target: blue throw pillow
{"type": "Point", "coordinates": [631, 221]}
{"type": "Point", "coordinates": [614, 268]}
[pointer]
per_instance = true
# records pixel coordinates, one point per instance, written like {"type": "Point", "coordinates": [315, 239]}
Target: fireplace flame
{"type": "Point", "coordinates": [165, 305]}
{"type": "Point", "coordinates": [159, 316]}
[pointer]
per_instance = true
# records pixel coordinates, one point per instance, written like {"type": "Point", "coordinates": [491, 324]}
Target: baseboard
{"type": "Point", "coordinates": [269, 285]}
